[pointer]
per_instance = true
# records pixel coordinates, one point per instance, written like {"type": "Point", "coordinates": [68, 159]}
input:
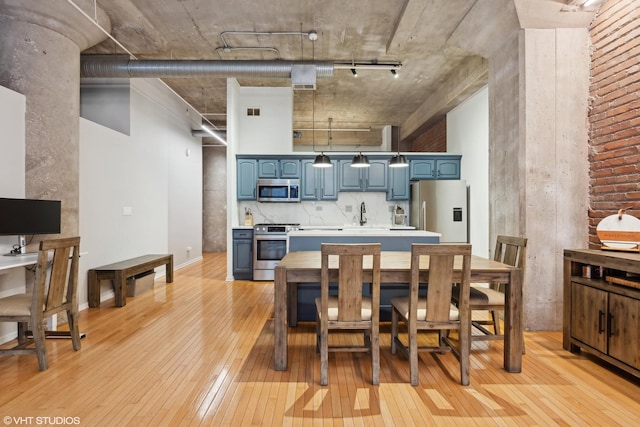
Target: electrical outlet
{"type": "Point", "coordinates": [348, 208]}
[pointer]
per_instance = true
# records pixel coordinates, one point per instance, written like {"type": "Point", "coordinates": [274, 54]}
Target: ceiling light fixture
{"type": "Point", "coordinates": [354, 72]}
{"type": "Point", "coordinates": [360, 161]}
{"type": "Point", "coordinates": [321, 160]}
{"type": "Point", "coordinates": [394, 73]}
{"type": "Point", "coordinates": [398, 160]}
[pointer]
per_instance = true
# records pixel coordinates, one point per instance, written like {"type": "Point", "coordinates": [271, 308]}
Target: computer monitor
{"type": "Point", "coordinates": [20, 217]}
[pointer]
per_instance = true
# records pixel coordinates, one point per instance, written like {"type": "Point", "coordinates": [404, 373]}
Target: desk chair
{"type": "Point", "coordinates": [349, 310]}
{"type": "Point", "coordinates": [52, 293]}
{"type": "Point", "coordinates": [435, 312]}
{"type": "Point", "coordinates": [509, 250]}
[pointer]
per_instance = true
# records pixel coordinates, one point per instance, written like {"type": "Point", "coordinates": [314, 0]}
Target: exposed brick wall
{"type": "Point", "coordinates": [614, 116]}
{"type": "Point", "coordinates": [433, 139]}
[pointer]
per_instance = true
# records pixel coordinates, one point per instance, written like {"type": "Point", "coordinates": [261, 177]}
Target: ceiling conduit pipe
{"type": "Point", "coordinates": [93, 66]}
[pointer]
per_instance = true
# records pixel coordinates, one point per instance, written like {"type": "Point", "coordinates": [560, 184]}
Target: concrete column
{"type": "Point", "coordinates": [40, 58]}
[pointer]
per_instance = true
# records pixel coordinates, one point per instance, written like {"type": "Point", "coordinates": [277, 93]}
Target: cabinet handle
{"type": "Point", "coordinates": [610, 325]}
{"type": "Point", "coordinates": [600, 321]}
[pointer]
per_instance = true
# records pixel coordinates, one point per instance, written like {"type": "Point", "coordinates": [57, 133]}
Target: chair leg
{"type": "Point", "coordinates": [22, 332]}
{"type": "Point", "coordinates": [413, 357]}
{"type": "Point", "coordinates": [41, 348]}
{"type": "Point", "coordinates": [324, 356]}
{"type": "Point", "coordinates": [496, 322]}
{"type": "Point", "coordinates": [375, 357]}
{"type": "Point", "coordinates": [394, 330]}
{"type": "Point", "coordinates": [72, 318]}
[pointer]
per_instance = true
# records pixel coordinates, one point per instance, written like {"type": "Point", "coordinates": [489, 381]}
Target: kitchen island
{"type": "Point", "coordinates": [392, 239]}
{"type": "Point", "coordinates": [310, 238]}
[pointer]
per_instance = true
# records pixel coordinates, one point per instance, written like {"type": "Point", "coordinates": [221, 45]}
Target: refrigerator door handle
{"type": "Point", "coordinates": [423, 214]}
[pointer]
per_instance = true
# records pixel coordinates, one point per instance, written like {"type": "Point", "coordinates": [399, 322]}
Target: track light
{"type": "Point", "coordinates": [354, 72]}
{"type": "Point", "coordinates": [394, 73]}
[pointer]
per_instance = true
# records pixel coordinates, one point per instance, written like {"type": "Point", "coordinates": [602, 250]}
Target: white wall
{"type": "Point", "coordinates": [12, 181]}
{"type": "Point", "coordinates": [468, 134]}
{"type": "Point", "coordinates": [148, 172]}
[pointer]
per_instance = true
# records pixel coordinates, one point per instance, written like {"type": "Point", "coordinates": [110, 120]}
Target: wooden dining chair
{"type": "Point", "coordinates": [490, 297]}
{"type": "Point", "coordinates": [53, 292]}
{"type": "Point", "coordinates": [349, 309]}
{"type": "Point", "coordinates": [434, 312]}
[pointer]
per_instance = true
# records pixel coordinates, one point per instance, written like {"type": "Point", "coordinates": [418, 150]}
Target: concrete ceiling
{"type": "Point", "coordinates": [424, 35]}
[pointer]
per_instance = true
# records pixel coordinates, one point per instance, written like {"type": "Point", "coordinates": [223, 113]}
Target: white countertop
{"type": "Point", "coordinates": [359, 231]}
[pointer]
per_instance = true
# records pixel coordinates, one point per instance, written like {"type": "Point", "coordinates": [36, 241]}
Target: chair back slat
{"type": "Point", "coordinates": [511, 250]}
{"type": "Point", "coordinates": [350, 288]}
{"type": "Point", "coordinates": [439, 288]}
{"type": "Point", "coordinates": [58, 288]}
{"type": "Point", "coordinates": [350, 276]}
{"type": "Point", "coordinates": [441, 277]}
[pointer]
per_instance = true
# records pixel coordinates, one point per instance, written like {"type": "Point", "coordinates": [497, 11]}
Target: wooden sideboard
{"type": "Point", "coordinates": [602, 306]}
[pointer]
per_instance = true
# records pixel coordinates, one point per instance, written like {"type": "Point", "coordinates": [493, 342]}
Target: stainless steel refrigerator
{"type": "Point", "coordinates": [441, 206]}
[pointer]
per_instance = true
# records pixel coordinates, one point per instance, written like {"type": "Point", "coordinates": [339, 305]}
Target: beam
{"type": "Point", "coordinates": [469, 77]}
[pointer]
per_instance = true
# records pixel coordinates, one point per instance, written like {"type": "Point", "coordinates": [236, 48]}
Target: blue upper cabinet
{"type": "Point", "coordinates": [373, 178]}
{"type": "Point", "coordinates": [273, 168]}
{"type": "Point", "coordinates": [247, 176]}
{"type": "Point", "coordinates": [318, 183]}
{"type": "Point", "coordinates": [398, 184]}
{"type": "Point", "coordinates": [440, 168]}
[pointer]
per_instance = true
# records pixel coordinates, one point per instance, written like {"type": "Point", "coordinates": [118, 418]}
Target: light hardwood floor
{"type": "Point", "coordinates": [200, 352]}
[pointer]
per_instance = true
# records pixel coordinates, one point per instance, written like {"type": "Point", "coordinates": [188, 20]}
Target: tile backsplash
{"type": "Point", "coordinates": [344, 211]}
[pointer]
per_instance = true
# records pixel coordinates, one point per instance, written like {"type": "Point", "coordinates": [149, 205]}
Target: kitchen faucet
{"type": "Point", "coordinates": [363, 210]}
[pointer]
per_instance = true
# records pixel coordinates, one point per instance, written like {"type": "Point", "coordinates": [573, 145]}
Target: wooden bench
{"type": "Point", "coordinates": [119, 272]}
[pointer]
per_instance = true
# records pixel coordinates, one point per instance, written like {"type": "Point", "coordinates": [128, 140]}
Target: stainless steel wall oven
{"type": "Point", "coordinates": [270, 245]}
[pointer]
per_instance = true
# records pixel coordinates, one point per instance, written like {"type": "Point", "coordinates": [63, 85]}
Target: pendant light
{"type": "Point", "coordinates": [398, 160]}
{"type": "Point", "coordinates": [322, 160]}
{"type": "Point", "coordinates": [360, 161]}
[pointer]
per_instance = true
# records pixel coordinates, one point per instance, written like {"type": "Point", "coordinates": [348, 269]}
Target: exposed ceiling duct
{"type": "Point", "coordinates": [92, 66]}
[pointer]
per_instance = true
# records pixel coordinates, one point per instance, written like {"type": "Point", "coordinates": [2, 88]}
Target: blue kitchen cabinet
{"type": "Point", "coordinates": [442, 168]}
{"type": "Point", "coordinates": [247, 176]}
{"type": "Point", "coordinates": [243, 254]}
{"type": "Point", "coordinates": [373, 178]}
{"type": "Point", "coordinates": [398, 184]}
{"type": "Point", "coordinates": [273, 168]}
{"type": "Point", "coordinates": [318, 183]}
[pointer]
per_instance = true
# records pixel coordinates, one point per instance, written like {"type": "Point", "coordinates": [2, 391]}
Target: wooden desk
{"type": "Point", "coordinates": [120, 271]}
{"type": "Point", "coordinates": [395, 267]}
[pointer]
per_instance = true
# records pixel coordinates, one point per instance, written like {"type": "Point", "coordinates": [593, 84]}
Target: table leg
{"type": "Point", "coordinates": [292, 304]}
{"type": "Point", "coordinates": [94, 289]}
{"type": "Point", "coordinates": [120, 288]}
{"type": "Point", "coordinates": [513, 323]}
{"type": "Point", "coordinates": [280, 318]}
{"type": "Point", "coordinates": [169, 270]}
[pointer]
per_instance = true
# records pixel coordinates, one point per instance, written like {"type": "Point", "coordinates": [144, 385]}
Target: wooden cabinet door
{"type": "Point", "coordinates": [624, 329]}
{"type": "Point", "coordinates": [247, 171]}
{"type": "Point", "coordinates": [375, 176]}
{"type": "Point", "coordinates": [422, 169]}
{"type": "Point", "coordinates": [448, 169]}
{"type": "Point", "coordinates": [589, 316]}
{"type": "Point", "coordinates": [289, 169]}
{"type": "Point", "coordinates": [268, 168]}
{"type": "Point", "coordinates": [329, 180]}
{"type": "Point", "coordinates": [308, 179]}
{"type": "Point", "coordinates": [350, 178]}
{"type": "Point", "coordinates": [398, 184]}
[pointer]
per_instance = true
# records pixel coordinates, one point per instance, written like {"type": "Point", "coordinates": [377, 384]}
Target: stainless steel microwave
{"type": "Point", "coordinates": [278, 190]}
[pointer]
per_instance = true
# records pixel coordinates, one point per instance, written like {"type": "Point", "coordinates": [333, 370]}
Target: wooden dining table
{"type": "Point", "coordinates": [395, 267]}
